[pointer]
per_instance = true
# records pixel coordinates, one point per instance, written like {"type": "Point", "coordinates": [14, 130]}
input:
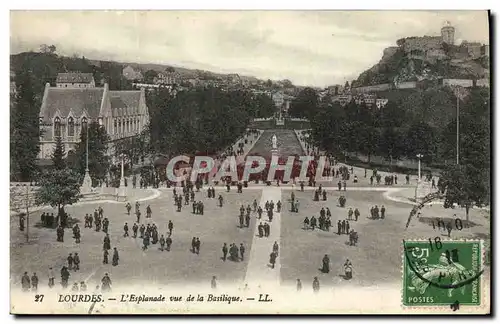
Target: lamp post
{"type": "Point", "coordinates": [87, 180]}
{"type": "Point", "coordinates": [459, 94]}
{"type": "Point", "coordinates": [122, 174]}
{"type": "Point", "coordinates": [87, 150]}
{"type": "Point", "coordinates": [419, 156]}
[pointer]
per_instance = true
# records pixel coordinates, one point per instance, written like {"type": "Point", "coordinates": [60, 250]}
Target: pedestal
{"type": "Point", "coordinates": [122, 191]}
{"type": "Point", "coordinates": [86, 186]}
{"type": "Point", "coordinates": [423, 189]}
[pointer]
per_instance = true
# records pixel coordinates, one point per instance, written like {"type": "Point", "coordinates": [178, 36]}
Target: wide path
{"type": "Point", "coordinates": [288, 144]}
{"type": "Point", "coordinates": [259, 271]}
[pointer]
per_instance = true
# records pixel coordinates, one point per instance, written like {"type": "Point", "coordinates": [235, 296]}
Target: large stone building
{"type": "Point", "coordinates": [75, 80]}
{"type": "Point", "coordinates": [66, 111]}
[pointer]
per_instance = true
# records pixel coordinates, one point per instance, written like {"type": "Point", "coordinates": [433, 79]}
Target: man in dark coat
{"type": "Point", "coordinates": [326, 264]}
{"type": "Point", "coordinates": [261, 230]}
{"type": "Point", "coordinates": [224, 252]}
{"type": "Point", "coordinates": [197, 245]}
{"type": "Point", "coordinates": [25, 282]}
{"type": "Point", "coordinates": [134, 229]}
{"type": "Point", "coordinates": [115, 257]}
{"type": "Point", "coordinates": [70, 261]}
{"type": "Point", "coordinates": [125, 230]}
{"type": "Point", "coordinates": [170, 227]}
{"type": "Point", "coordinates": [76, 261]}
{"type": "Point", "coordinates": [272, 259]}
{"type": "Point", "coordinates": [106, 283]}
{"type": "Point", "coordinates": [247, 220]}
{"type": "Point", "coordinates": [162, 243]}
{"type": "Point", "coordinates": [169, 242]}
{"type": "Point", "coordinates": [242, 251]}
{"type": "Point", "coordinates": [105, 257]}
{"type": "Point", "coordinates": [315, 285]}
{"type": "Point", "coordinates": [34, 282]}
{"type": "Point", "coordinates": [306, 223]}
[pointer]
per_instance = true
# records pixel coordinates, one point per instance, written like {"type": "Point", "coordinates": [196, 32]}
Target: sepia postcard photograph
{"type": "Point", "coordinates": [175, 162]}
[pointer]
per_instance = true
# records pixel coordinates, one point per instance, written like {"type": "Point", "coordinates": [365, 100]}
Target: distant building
{"type": "Point", "coordinates": [473, 49]}
{"type": "Point", "coordinates": [483, 83]}
{"type": "Point", "coordinates": [66, 111]}
{"type": "Point", "coordinates": [486, 50]}
{"type": "Point", "coordinates": [132, 74]}
{"type": "Point", "coordinates": [343, 99]}
{"type": "Point", "coordinates": [278, 98]}
{"type": "Point", "coordinates": [448, 33]}
{"type": "Point", "coordinates": [381, 102]}
{"type": "Point", "coordinates": [75, 80]}
{"type": "Point", "coordinates": [168, 78]}
{"type": "Point", "coordinates": [458, 82]}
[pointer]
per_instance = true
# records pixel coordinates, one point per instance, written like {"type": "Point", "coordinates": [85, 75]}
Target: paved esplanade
{"type": "Point", "coordinates": [259, 271]}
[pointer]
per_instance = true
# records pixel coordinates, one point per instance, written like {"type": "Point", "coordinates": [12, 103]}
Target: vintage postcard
{"type": "Point", "coordinates": [250, 162]}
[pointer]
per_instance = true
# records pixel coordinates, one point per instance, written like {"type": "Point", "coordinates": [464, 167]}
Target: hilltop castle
{"type": "Point", "coordinates": [433, 48]}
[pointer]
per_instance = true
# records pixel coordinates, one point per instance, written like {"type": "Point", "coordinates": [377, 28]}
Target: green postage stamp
{"type": "Point", "coordinates": [442, 272]}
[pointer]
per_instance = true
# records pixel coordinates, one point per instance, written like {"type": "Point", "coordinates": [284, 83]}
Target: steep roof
{"type": "Point", "coordinates": [77, 100]}
{"type": "Point", "coordinates": [74, 77]}
{"type": "Point", "coordinates": [125, 99]}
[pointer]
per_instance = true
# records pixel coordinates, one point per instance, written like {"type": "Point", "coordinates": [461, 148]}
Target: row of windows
{"type": "Point", "coordinates": [122, 126]}
{"type": "Point", "coordinates": [125, 126]}
{"type": "Point", "coordinates": [71, 126]}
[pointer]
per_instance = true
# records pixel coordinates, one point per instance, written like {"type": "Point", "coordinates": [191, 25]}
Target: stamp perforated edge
{"type": "Point", "coordinates": [466, 309]}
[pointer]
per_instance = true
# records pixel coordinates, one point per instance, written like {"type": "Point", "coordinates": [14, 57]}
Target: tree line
{"type": "Point", "coordinates": [403, 130]}
{"type": "Point", "coordinates": [202, 119]}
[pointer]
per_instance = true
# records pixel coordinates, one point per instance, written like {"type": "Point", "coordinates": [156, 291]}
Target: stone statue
{"type": "Point", "coordinates": [275, 141]}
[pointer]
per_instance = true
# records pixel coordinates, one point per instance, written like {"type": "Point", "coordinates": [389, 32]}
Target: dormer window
{"type": "Point", "coordinates": [57, 127]}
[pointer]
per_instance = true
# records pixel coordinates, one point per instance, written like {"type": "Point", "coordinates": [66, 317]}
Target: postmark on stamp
{"type": "Point", "coordinates": [442, 272]}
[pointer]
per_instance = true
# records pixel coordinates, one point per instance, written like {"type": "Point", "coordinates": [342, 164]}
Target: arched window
{"type": "Point", "coordinates": [128, 126]}
{"type": "Point", "coordinates": [57, 127]}
{"type": "Point", "coordinates": [84, 124]}
{"type": "Point", "coordinates": [115, 128]}
{"type": "Point", "coordinates": [71, 126]}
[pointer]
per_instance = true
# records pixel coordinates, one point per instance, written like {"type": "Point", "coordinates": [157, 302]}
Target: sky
{"type": "Point", "coordinates": [310, 48]}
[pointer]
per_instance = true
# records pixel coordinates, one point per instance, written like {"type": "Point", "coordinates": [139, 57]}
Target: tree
{"type": "Point", "coordinates": [150, 75]}
{"type": "Point", "coordinates": [170, 69]}
{"type": "Point", "coordinates": [58, 188]}
{"type": "Point", "coordinates": [421, 139]}
{"type": "Point", "coordinates": [464, 186]}
{"type": "Point", "coordinates": [98, 159]}
{"type": "Point", "coordinates": [58, 155]}
{"type": "Point", "coordinates": [305, 105]}
{"type": "Point", "coordinates": [390, 143]}
{"type": "Point", "coordinates": [368, 139]}
{"type": "Point", "coordinates": [24, 128]}
{"type": "Point", "coordinates": [198, 120]}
